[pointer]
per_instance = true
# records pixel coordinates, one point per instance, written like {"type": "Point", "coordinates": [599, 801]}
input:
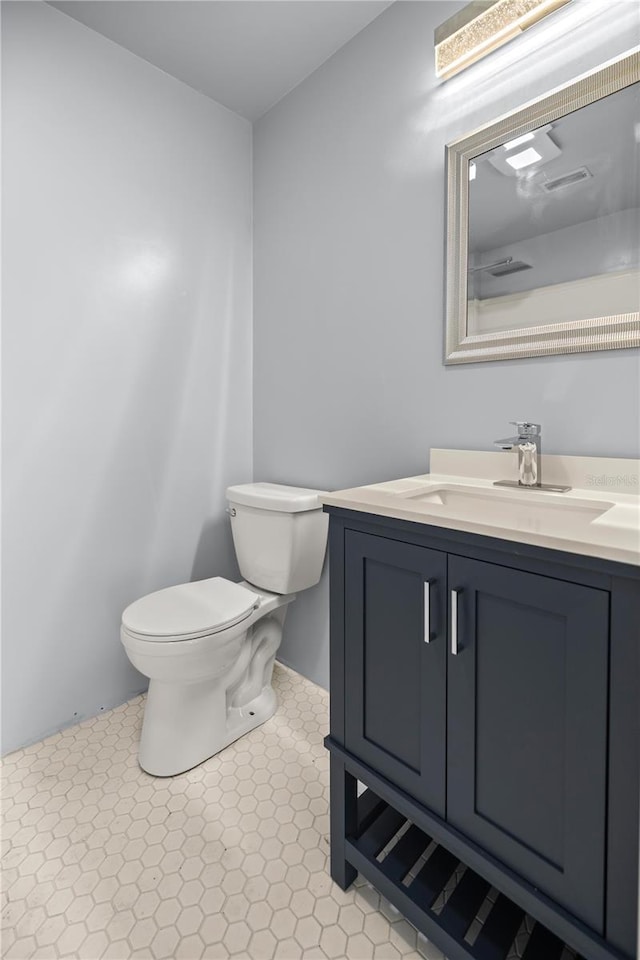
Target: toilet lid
{"type": "Point", "coordinates": [205, 606]}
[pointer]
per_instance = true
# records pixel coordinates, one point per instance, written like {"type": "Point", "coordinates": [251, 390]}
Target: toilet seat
{"type": "Point", "coordinates": [189, 610]}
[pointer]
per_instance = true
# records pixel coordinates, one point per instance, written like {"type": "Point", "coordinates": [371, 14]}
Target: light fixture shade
{"type": "Point", "coordinates": [481, 27]}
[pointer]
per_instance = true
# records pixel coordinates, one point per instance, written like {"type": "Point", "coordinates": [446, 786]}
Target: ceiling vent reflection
{"type": "Point", "coordinates": [567, 180]}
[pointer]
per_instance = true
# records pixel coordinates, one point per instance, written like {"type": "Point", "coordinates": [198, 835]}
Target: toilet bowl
{"type": "Point", "coordinates": [208, 647]}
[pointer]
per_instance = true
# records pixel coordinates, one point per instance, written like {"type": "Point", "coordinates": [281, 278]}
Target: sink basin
{"type": "Point", "coordinates": [517, 509]}
{"type": "Point", "coordinates": [598, 517]}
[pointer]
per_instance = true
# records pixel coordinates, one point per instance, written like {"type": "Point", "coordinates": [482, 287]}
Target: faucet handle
{"type": "Point", "coordinates": [527, 429]}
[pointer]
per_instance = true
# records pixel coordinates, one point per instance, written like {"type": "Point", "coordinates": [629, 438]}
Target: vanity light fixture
{"type": "Point", "coordinates": [483, 26]}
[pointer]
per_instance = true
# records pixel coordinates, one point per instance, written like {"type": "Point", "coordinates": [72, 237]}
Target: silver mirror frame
{"type": "Point", "coordinates": [579, 336]}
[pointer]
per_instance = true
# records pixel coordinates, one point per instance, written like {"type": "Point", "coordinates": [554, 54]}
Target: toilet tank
{"type": "Point", "coordinates": [279, 534]}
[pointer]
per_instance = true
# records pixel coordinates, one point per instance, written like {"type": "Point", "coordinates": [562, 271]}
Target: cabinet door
{"type": "Point", "coordinates": [527, 727]}
{"type": "Point", "coordinates": [395, 662]}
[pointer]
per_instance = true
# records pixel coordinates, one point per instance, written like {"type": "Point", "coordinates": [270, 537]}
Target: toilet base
{"type": "Point", "coordinates": [187, 723]}
{"type": "Point", "coordinates": [241, 720]}
{"type": "Point", "coordinates": [158, 759]}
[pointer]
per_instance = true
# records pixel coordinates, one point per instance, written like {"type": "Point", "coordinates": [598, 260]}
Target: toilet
{"type": "Point", "coordinates": [208, 647]}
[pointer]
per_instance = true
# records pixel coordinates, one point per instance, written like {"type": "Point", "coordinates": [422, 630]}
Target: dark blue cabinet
{"type": "Point", "coordinates": [488, 693]}
{"type": "Point", "coordinates": [395, 704]}
{"type": "Point", "coordinates": [527, 727]}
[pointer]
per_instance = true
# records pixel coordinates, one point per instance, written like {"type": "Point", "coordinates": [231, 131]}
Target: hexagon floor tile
{"type": "Point", "coordinates": [227, 860]}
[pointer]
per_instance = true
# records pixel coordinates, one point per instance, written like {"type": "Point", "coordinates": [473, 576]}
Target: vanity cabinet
{"type": "Point", "coordinates": [527, 726]}
{"type": "Point", "coordinates": [486, 692]}
{"type": "Point", "coordinates": [395, 715]}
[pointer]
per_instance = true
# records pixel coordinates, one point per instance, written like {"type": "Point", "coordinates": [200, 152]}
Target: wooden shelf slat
{"type": "Point", "coordinates": [498, 931]}
{"type": "Point", "coordinates": [462, 906]}
{"type": "Point", "coordinates": [407, 851]}
{"type": "Point", "coordinates": [433, 877]}
{"type": "Point", "coordinates": [382, 830]}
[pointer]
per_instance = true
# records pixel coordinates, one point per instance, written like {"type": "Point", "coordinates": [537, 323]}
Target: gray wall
{"type": "Point", "coordinates": [594, 247]}
{"type": "Point", "coordinates": [127, 354]}
{"type": "Point", "coordinates": [349, 385]}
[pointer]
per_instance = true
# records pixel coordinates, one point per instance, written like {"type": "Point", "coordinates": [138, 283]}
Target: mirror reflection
{"type": "Point", "coordinates": [554, 221]}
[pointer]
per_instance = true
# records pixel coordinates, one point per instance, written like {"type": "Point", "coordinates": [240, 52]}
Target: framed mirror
{"type": "Point", "coordinates": [543, 224]}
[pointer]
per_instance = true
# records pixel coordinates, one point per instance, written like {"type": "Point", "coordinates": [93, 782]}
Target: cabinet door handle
{"type": "Point", "coordinates": [427, 611]}
{"type": "Point", "coordinates": [454, 621]}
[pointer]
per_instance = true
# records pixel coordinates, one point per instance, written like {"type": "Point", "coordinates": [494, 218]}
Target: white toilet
{"type": "Point", "coordinates": [208, 647]}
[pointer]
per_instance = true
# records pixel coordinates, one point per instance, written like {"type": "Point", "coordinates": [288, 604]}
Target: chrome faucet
{"type": "Point", "coordinates": [528, 443]}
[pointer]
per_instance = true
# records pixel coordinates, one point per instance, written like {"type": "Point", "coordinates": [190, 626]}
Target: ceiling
{"type": "Point", "coordinates": [246, 54]}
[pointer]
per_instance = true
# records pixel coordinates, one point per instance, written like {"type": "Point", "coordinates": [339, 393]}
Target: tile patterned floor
{"type": "Point", "coordinates": [228, 860]}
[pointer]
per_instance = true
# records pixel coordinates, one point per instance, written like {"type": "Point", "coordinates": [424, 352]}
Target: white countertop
{"type": "Point", "coordinates": [598, 517]}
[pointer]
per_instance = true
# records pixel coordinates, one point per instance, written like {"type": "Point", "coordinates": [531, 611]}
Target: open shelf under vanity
{"type": "Point", "coordinates": [447, 901]}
